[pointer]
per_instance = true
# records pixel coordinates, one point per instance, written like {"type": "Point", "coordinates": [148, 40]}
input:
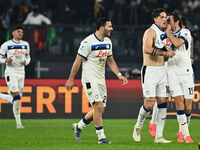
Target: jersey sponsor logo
{"type": "Point", "coordinates": [102, 54]}
{"type": "Point", "coordinates": [168, 42]}
{"type": "Point", "coordinates": [19, 52]}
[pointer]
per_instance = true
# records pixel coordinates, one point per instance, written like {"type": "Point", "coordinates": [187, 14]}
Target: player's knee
{"type": "Point", "coordinates": [149, 103]}
{"type": "Point", "coordinates": [188, 110]}
{"type": "Point", "coordinates": [98, 106]}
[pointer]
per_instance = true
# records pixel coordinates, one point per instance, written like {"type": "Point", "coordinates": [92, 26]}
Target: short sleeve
{"type": "Point", "coordinates": [3, 49]}
{"type": "Point", "coordinates": [110, 53]}
{"type": "Point", "coordinates": [28, 49]}
{"type": "Point", "coordinates": [84, 49]}
{"type": "Point", "coordinates": [185, 35]}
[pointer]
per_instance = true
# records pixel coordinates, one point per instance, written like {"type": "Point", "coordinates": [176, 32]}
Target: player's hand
{"type": "Point", "coordinates": [9, 60]}
{"type": "Point", "coordinates": [170, 54]}
{"type": "Point", "coordinates": [168, 28]}
{"type": "Point", "coordinates": [69, 85]}
{"type": "Point", "coordinates": [123, 79]}
{"type": "Point", "coordinates": [192, 61]}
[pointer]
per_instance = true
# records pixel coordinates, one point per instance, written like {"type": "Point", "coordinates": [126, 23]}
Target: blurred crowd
{"type": "Point", "coordinates": [85, 12]}
{"type": "Point", "coordinates": [121, 12]}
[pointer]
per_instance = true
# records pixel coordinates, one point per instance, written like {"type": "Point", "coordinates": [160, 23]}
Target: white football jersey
{"type": "Point", "coordinates": [181, 62]}
{"type": "Point", "coordinates": [161, 36]}
{"type": "Point", "coordinates": [18, 50]}
{"type": "Point", "coordinates": [95, 53]}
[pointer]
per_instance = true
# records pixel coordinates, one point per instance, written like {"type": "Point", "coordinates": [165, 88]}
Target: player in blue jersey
{"type": "Point", "coordinates": [16, 54]}
{"type": "Point", "coordinates": [94, 51]}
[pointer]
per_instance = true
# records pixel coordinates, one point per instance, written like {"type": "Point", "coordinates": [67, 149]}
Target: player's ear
{"type": "Point", "coordinates": [102, 27]}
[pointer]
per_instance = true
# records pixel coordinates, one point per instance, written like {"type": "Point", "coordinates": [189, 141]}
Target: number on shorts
{"type": "Point", "coordinates": [167, 89]}
{"type": "Point", "coordinates": [191, 90]}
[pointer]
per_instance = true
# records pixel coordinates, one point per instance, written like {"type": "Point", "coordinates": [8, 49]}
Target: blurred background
{"type": "Point", "coordinates": [54, 40]}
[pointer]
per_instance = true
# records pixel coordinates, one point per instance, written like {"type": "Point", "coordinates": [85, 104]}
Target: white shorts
{"type": "Point", "coordinates": [154, 81]}
{"type": "Point", "coordinates": [15, 84]}
{"type": "Point", "coordinates": [95, 92]}
{"type": "Point", "coordinates": [182, 85]}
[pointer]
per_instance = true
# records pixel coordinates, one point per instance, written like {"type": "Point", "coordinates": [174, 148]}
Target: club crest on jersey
{"type": "Point", "coordinates": [107, 46]}
{"type": "Point", "coordinates": [102, 54]}
{"type": "Point", "coordinates": [19, 52]}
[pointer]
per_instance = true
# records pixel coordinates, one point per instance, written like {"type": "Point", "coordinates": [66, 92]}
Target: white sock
{"type": "Point", "coordinates": [154, 114]}
{"type": "Point", "coordinates": [100, 132]}
{"type": "Point", "coordinates": [6, 97]}
{"type": "Point", "coordinates": [188, 117]}
{"type": "Point", "coordinates": [143, 113]}
{"type": "Point", "coordinates": [83, 123]}
{"type": "Point", "coordinates": [183, 123]}
{"type": "Point", "coordinates": [16, 111]}
{"type": "Point", "coordinates": [161, 119]}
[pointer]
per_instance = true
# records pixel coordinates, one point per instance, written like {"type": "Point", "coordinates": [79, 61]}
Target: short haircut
{"type": "Point", "coordinates": [177, 17]}
{"type": "Point", "coordinates": [101, 22]}
{"type": "Point", "coordinates": [17, 27]}
{"type": "Point", "coordinates": [156, 12]}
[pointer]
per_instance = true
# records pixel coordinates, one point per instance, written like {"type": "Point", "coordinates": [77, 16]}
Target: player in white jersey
{"type": "Point", "coordinates": [16, 54]}
{"type": "Point", "coordinates": [93, 53]}
{"type": "Point", "coordinates": [180, 73]}
{"type": "Point", "coordinates": [154, 76]}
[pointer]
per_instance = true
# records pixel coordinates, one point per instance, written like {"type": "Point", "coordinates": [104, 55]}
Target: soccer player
{"type": "Point", "coordinates": [16, 54]}
{"type": "Point", "coordinates": [154, 75]}
{"type": "Point", "coordinates": [180, 73]}
{"type": "Point", "coordinates": [94, 51]}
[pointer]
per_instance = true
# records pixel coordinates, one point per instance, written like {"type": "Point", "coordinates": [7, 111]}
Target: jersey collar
{"type": "Point", "coordinates": [177, 31]}
{"type": "Point", "coordinates": [17, 42]}
{"type": "Point", "coordinates": [159, 28]}
{"type": "Point", "coordinates": [98, 38]}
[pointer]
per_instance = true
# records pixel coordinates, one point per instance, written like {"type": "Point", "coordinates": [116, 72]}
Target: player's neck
{"type": "Point", "coordinates": [175, 29]}
{"type": "Point", "coordinates": [16, 39]}
{"type": "Point", "coordinates": [99, 35]}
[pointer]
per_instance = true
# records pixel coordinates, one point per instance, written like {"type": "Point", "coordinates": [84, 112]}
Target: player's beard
{"type": "Point", "coordinates": [106, 33]}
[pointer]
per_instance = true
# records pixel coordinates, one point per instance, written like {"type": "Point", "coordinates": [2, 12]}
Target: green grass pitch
{"type": "Point", "coordinates": [56, 134]}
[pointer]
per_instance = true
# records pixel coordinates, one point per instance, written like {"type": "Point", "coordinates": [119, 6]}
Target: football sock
{"type": "Point", "coordinates": [100, 132]}
{"type": "Point", "coordinates": [161, 118]}
{"type": "Point", "coordinates": [188, 116]}
{"type": "Point", "coordinates": [6, 97]}
{"type": "Point", "coordinates": [183, 126]}
{"type": "Point", "coordinates": [83, 123]}
{"type": "Point", "coordinates": [154, 114]}
{"type": "Point", "coordinates": [16, 109]}
{"type": "Point", "coordinates": [143, 113]}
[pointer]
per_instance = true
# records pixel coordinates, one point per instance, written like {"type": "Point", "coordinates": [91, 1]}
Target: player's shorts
{"type": "Point", "coordinates": [154, 81]}
{"type": "Point", "coordinates": [15, 84]}
{"type": "Point", "coordinates": [95, 92]}
{"type": "Point", "coordinates": [182, 85]}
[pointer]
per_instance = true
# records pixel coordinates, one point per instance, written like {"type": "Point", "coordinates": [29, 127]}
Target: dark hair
{"type": "Point", "coordinates": [17, 27]}
{"type": "Point", "coordinates": [156, 12]}
{"type": "Point", "coordinates": [177, 17]}
{"type": "Point", "coordinates": [101, 22]}
{"type": "Point", "coordinates": [184, 22]}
